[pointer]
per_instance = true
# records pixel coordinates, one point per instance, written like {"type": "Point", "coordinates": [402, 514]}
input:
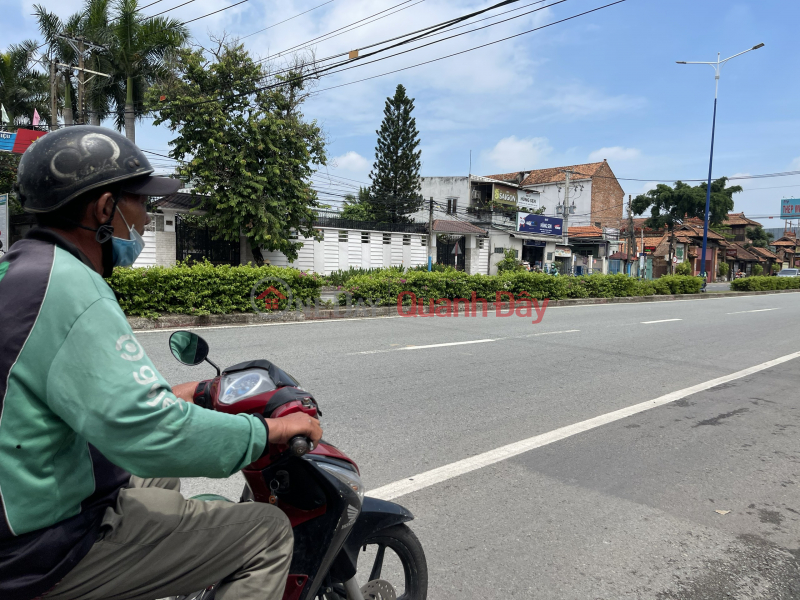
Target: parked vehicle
{"type": "Point", "coordinates": [788, 272]}
{"type": "Point", "coordinates": [337, 529]}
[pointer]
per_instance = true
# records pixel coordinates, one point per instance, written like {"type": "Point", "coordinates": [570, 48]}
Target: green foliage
{"type": "Point", "coordinates": [723, 269]}
{"type": "Point", "coordinates": [670, 207]}
{"type": "Point", "coordinates": [22, 87]}
{"type": "Point", "coordinates": [683, 268]}
{"type": "Point", "coordinates": [759, 237]}
{"type": "Point", "coordinates": [509, 262]}
{"type": "Point", "coordinates": [202, 288]}
{"type": "Point", "coordinates": [394, 193]}
{"type": "Point", "coordinates": [757, 270]}
{"type": "Point", "coordinates": [748, 284]}
{"type": "Point", "coordinates": [248, 148]}
{"type": "Point", "coordinates": [384, 287]}
{"type": "Point", "coordinates": [359, 208]}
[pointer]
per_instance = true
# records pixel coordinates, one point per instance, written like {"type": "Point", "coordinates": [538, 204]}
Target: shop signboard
{"type": "Point", "coordinates": [540, 224]}
{"type": "Point", "coordinates": [528, 199]}
{"type": "Point", "coordinates": [790, 208]}
{"type": "Point", "coordinates": [563, 252]}
{"type": "Point", "coordinates": [502, 194]}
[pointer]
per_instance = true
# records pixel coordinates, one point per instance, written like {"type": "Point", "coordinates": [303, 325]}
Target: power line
{"type": "Point", "coordinates": [285, 20]}
{"type": "Point", "coordinates": [213, 13]}
{"type": "Point", "coordinates": [169, 9]}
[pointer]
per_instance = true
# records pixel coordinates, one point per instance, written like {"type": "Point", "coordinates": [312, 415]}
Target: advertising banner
{"type": "Point", "coordinates": [504, 195]}
{"type": "Point", "coordinates": [19, 141]}
{"type": "Point", "coordinates": [790, 208]}
{"type": "Point", "coordinates": [539, 224]}
{"type": "Point", "coordinates": [528, 199]}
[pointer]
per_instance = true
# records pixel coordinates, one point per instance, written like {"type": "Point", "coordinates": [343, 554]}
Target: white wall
{"type": "Point", "coordinates": [442, 188]}
{"type": "Point", "coordinates": [550, 197]}
{"type": "Point", "coordinates": [148, 256]}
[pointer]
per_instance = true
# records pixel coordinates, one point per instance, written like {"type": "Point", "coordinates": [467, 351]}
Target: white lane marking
{"type": "Point", "coordinates": [513, 337]}
{"type": "Point", "coordinates": [661, 321]}
{"type": "Point", "coordinates": [450, 344]}
{"type": "Point", "coordinates": [440, 474]}
{"type": "Point", "coordinates": [751, 311]}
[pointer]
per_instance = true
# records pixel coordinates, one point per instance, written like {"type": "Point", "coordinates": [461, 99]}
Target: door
{"type": "Point", "coordinates": [445, 247]}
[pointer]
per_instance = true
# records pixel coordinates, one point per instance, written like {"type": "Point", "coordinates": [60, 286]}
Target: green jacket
{"type": "Point", "coordinates": [81, 408]}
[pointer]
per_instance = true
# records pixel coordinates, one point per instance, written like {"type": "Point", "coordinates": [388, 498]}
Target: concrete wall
{"type": "Point", "coordinates": [442, 188]}
{"type": "Point", "coordinates": [165, 248]}
{"type": "Point", "coordinates": [550, 197]}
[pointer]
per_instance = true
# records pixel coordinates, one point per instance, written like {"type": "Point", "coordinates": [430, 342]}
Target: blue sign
{"type": "Point", "coordinates": [539, 224]}
{"type": "Point", "coordinates": [7, 140]}
{"type": "Point", "coordinates": [790, 208]}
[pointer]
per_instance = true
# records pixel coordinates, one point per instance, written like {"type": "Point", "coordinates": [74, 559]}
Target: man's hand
{"type": "Point", "coordinates": [185, 391]}
{"type": "Point", "coordinates": [285, 428]}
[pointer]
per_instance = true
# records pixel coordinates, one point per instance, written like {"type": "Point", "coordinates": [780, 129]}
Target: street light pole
{"type": "Point", "coordinates": [717, 66]}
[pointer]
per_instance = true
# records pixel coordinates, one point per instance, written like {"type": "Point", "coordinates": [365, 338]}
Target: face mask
{"type": "Point", "coordinates": [125, 252]}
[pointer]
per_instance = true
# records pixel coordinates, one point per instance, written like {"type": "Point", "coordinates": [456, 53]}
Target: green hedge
{"type": "Point", "coordinates": [202, 288]}
{"type": "Point", "coordinates": [384, 287]}
{"type": "Point", "coordinates": [753, 284]}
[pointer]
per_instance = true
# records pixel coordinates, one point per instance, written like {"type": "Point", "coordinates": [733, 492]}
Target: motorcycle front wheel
{"type": "Point", "coordinates": [395, 555]}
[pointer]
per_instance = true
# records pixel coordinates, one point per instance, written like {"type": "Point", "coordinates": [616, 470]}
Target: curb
{"type": "Point", "coordinates": [243, 319]}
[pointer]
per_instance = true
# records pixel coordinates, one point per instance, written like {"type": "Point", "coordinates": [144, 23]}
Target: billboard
{"type": "Point", "coordinates": [19, 140]}
{"type": "Point", "coordinates": [790, 208]}
{"type": "Point", "coordinates": [539, 224]}
{"type": "Point", "coordinates": [502, 194]}
{"type": "Point", "coordinates": [4, 222]}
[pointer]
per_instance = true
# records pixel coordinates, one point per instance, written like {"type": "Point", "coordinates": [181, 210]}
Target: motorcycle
{"type": "Point", "coordinates": [320, 489]}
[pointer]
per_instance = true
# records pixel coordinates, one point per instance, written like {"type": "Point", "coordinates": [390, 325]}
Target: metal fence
{"type": "Point", "coordinates": [195, 243]}
{"type": "Point", "coordinates": [335, 220]}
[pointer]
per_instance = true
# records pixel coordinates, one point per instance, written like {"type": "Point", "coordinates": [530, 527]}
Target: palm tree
{"type": "Point", "coordinates": [140, 52]}
{"type": "Point", "coordinates": [22, 88]}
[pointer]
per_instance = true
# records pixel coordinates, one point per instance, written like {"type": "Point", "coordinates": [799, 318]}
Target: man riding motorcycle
{"type": "Point", "coordinates": [91, 435]}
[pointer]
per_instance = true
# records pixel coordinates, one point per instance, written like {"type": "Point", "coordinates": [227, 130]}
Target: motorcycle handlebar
{"type": "Point", "coordinates": [299, 446]}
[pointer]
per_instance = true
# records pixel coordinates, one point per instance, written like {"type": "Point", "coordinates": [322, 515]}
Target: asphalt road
{"type": "Point", "coordinates": [624, 510]}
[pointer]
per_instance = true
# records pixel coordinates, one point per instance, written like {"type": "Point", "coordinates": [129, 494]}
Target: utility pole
{"type": "Point", "coordinates": [53, 97]}
{"type": "Point", "coordinates": [430, 235]}
{"type": "Point", "coordinates": [81, 82]}
{"type": "Point", "coordinates": [565, 212]}
{"type": "Point", "coordinates": [631, 235]}
{"type": "Point", "coordinates": [80, 46]}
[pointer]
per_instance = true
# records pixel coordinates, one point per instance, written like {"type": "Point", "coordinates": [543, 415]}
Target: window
{"type": "Point", "coordinates": [365, 237]}
{"type": "Point", "coordinates": [499, 250]}
{"type": "Point", "coordinates": [292, 235]}
{"type": "Point", "coordinates": [342, 236]}
{"type": "Point", "coordinates": [387, 238]}
{"type": "Point", "coordinates": [423, 240]}
{"type": "Point", "coordinates": [549, 256]}
{"type": "Point", "coordinates": [451, 206]}
{"type": "Point", "coordinates": [481, 243]}
{"type": "Point", "coordinates": [406, 239]}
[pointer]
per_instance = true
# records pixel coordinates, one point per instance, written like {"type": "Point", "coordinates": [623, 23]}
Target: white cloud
{"type": "Point", "coordinates": [795, 166]}
{"type": "Point", "coordinates": [615, 153]}
{"type": "Point", "coordinates": [351, 162]}
{"type": "Point", "coordinates": [513, 153]}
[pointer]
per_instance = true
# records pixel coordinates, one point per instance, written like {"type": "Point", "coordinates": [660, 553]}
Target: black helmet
{"type": "Point", "coordinates": [64, 164]}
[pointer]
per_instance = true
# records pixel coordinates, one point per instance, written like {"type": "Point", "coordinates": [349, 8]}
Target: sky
{"type": "Point", "coordinates": [603, 85]}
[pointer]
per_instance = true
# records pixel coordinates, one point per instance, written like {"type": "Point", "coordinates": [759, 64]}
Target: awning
{"type": "Point", "coordinates": [533, 236]}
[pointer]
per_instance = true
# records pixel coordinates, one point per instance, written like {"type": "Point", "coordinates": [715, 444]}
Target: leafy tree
{"type": "Point", "coordinates": [394, 193]}
{"type": "Point", "coordinates": [249, 149]}
{"type": "Point", "coordinates": [359, 208]}
{"type": "Point", "coordinates": [758, 237]}
{"type": "Point", "coordinates": [9, 163]}
{"type": "Point", "coordinates": [22, 88]}
{"type": "Point", "coordinates": [140, 50]}
{"type": "Point", "coordinates": [670, 207]}
{"type": "Point", "coordinates": [684, 268]}
{"type": "Point", "coordinates": [510, 262]}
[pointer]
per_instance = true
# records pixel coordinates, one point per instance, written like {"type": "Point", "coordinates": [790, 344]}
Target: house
{"type": "Point", "coordinates": [737, 224]}
{"type": "Point", "coordinates": [590, 249]}
{"type": "Point", "coordinates": [768, 258]}
{"type": "Point", "coordinates": [787, 250]}
{"type": "Point", "coordinates": [596, 194]}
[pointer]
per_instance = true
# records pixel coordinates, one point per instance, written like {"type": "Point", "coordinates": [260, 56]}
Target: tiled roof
{"type": "Point", "coordinates": [651, 241]}
{"type": "Point", "coordinates": [552, 175]}
{"type": "Point", "coordinates": [619, 256]}
{"type": "Point", "coordinates": [784, 241]}
{"type": "Point", "coordinates": [447, 226]}
{"type": "Point", "coordinates": [589, 231]}
{"type": "Point", "coordinates": [763, 252]}
{"type": "Point", "coordinates": [179, 201]}
{"type": "Point", "coordinates": [738, 219]}
{"type": "Point", "coordinates": [692, 230]}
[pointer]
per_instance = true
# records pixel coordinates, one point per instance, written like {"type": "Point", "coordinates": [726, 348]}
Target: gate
{"type": "Point", "coordinates": [444, 250]}
{"type": "Point", "coordinates": [195, 242]}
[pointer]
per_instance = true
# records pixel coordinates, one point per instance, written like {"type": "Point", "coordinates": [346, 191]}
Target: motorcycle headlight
{"type": "Point", "coordinates": [346, 476]}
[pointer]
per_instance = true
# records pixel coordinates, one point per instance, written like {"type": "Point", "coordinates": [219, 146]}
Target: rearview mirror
{"type": "Point", "coordinates": [189, 348]}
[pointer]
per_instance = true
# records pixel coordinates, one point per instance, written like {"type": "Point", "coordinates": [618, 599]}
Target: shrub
{"type": "Point", "coordinates": [684, 268]}
{"type": "Point", "coordinates": [723, 269]}
{"type": "Point", "coordinates": [752, 284]}
{"type": "Point", "coordinates": [202, 288]}
{"type": "Point", "coordinates": [510, 262]}
{"type": "Point", "coordinates": [757, 270]}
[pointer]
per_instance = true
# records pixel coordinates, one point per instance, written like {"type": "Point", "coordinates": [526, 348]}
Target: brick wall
{"type": "Point", "coordinates": [165, 248]}
{"type": "Point", "coordinates": [607, 198]}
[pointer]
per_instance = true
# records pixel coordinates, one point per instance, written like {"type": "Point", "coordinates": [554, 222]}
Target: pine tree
{"type": "Point", "coordinates": [395, 188]}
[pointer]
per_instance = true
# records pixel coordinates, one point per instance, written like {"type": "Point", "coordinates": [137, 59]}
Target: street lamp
{"type": "Point", "coordinates": [717, 68]}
